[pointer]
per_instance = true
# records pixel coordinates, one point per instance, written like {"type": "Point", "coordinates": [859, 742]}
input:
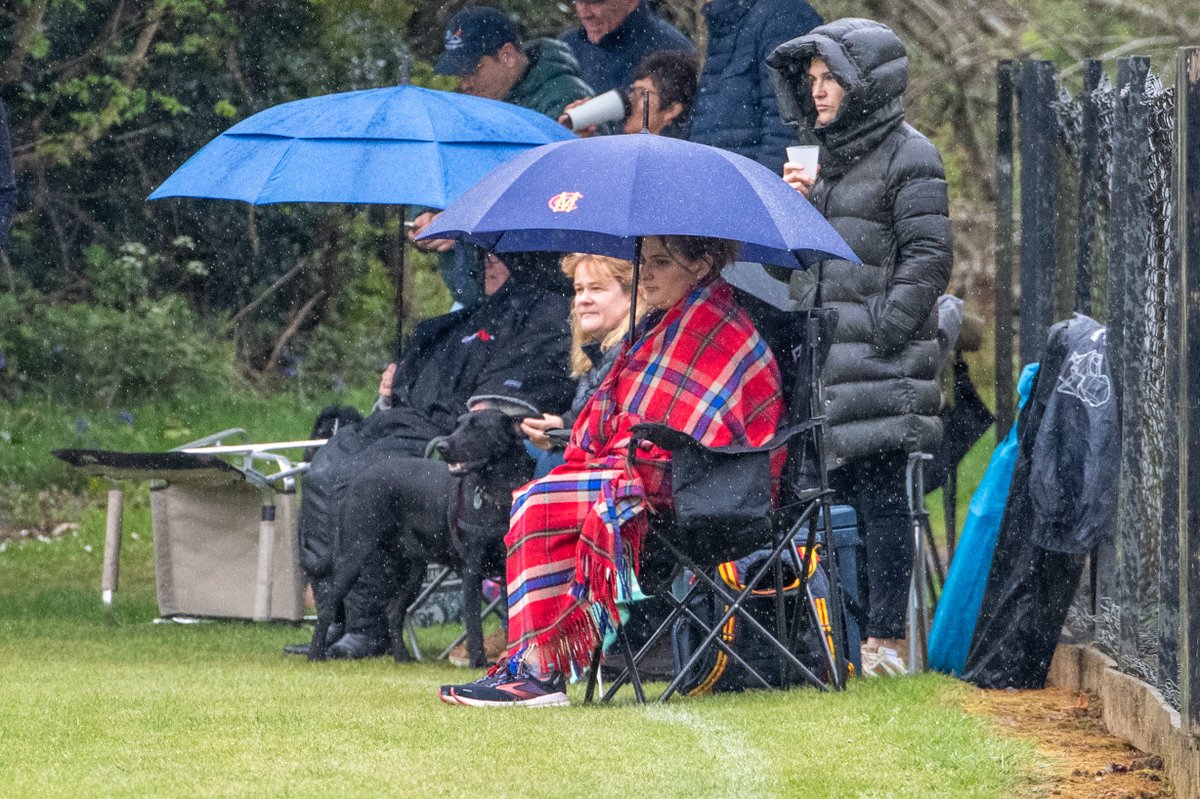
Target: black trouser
{"type": "Point", "coordinates": [875, 486]}
{"type": "Point", "coordinates": [375, 507]}
{"type": "Point", "coordinates": [335, 467]}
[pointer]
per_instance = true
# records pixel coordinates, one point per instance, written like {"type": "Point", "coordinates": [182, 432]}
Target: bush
{"type": "Point", "coordinates": [89, 355]}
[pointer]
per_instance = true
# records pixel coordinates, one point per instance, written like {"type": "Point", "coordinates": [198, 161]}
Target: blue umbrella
{"type": "Point", "coordinates": [402, 145]}
{"type": "Point", "coordinates": [602, 195]}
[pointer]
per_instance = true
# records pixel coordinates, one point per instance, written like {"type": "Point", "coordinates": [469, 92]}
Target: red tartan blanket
{"type": "Point", "coordinates": [576, 534]}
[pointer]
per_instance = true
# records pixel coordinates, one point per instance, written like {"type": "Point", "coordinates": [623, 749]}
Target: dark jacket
{"type": "Point", "coordinates": [587, 383]}
{"type": "Point", "coordinates": [882, 187]}
{"type": "Point", "coordinates": [611, 62]}
{"type": "Point", "coordinates": [8, 183]}
{"type": "Point", "coordinates": [1075, 454]}
{"type": "Point", "coordinates": [735, 106]}
{"type": "Point", "coordinates": [550, 81]}
{"type": "Point", "coordinates": [514, 345]}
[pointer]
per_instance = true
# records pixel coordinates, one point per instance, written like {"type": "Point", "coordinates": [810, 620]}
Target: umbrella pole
{"type": "Point", "coordinates": [398, 279]}
{"type": "Point", "coordinates": [633, 289]}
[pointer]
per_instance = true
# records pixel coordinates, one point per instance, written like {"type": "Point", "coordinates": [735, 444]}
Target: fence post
{"type": "Point", "coordinates": [1128, 240]}
{"type": "Point", "coordinates": [1004, 241]}
{"type": "Point", "coordinates": [1187, 176]}
{"type": "Point", "coordinates": [1089, 185]}
{"type": "Point", "coordinates": [1038, 186]}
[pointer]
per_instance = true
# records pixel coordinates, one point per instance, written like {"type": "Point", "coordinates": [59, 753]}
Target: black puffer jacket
{"type": "Point", "coordinates": [882, 187]}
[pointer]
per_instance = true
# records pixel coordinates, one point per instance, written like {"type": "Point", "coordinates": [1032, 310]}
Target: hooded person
{"type": "Point", "coordinates": [880, 183]}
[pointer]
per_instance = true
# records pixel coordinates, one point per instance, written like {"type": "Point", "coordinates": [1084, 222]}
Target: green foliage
{"type": "Point", "coordinates": [97, 355]}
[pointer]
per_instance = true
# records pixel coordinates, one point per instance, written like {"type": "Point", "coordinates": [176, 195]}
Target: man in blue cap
{"type": "Point", "coordinates": [615, 36]}
{"type": "Point", "coordinates": [484, 49]}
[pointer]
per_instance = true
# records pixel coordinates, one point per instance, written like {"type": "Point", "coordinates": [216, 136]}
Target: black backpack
{"type": "Point", "coordinates": [716, 671]}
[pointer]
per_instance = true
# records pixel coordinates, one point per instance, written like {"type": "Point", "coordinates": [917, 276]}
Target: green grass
{"type": "Point", "coordinates": [93, 704]}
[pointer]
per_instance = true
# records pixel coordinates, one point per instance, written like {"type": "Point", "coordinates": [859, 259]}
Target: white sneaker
{"type": "Point", "coordinates": [882, 662]}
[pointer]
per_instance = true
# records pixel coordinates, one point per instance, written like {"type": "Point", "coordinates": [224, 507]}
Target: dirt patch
{"type": "Point", "coordinates": [1083, 760]}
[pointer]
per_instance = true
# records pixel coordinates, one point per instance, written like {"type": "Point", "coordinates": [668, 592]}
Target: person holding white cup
{"type": "Point", "coordinates": [882, 186]}
{"type": "Point", "coordinates": [800, 171]}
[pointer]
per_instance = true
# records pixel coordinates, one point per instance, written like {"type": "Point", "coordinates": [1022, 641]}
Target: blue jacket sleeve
{"type": "Point", "coordinates": [791, 19]}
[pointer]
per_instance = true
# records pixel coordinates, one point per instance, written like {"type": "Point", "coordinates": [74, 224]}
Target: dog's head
{"type": "Point", "coordinates": [482, 439]}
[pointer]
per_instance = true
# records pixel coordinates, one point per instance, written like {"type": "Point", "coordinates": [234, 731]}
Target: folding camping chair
{"type": "Point", "coordinates": [436, 577]}
{"type": "Point", "coordinates": [800, 341]}
{"type": "Point", "coordinates": [224, 525]}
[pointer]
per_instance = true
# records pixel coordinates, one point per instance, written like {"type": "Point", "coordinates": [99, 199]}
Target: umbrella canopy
{"type": "Point", "coordinates": [403, 145]}
{"type": "Point", "coordinates": [602, 195]}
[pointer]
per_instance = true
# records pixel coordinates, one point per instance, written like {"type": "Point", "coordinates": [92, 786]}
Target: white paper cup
{"type": "Point", "coordinates": [805, 156]}
{"type": "Point", "coordinates": [607, 107]}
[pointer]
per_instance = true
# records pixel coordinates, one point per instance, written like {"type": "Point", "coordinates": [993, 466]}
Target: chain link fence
{"type": "Point", "coordinates": [1097, 234]}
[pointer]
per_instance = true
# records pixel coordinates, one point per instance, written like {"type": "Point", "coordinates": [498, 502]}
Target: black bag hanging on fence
{"type": "Point", "coordinates": [1066, 429]}
{"type": "Point", "coordinates": [963, 423]}
{"type": "Point", "coordinates": [716, 671]}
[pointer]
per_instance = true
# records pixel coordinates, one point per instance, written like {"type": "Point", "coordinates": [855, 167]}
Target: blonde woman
{"type": "Point", "coordinates": [599, 322]}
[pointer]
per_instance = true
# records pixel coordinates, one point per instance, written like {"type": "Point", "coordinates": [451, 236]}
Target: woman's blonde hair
{"type": "Point", "coordinates": [605, 268]}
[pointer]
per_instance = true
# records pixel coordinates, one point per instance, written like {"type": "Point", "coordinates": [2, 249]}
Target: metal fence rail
{"type": "Point", "coordinates": [1109, 225]}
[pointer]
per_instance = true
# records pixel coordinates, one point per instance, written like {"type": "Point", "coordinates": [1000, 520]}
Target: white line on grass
{"type": "Point", "coordinates": [743, 765]}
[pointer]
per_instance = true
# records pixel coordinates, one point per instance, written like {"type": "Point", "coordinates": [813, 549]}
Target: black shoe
{"type": "Point", "coordinates": [335, 632]}
{"type": "Point", "coordinates": [356, 646]}
{"type": "Point", "coordinates": [506, 690]}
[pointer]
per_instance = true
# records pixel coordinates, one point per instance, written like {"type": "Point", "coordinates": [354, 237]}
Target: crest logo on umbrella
{"type": "Point", "coordinates": [565, 202]}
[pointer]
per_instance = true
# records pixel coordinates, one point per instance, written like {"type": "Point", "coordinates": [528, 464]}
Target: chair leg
{"type": "Point", "coordinates": [735, 606]}
{"type": "Point", "coordinates": [492, 608]}
{"type": "Point", "coordinates": [631, 664]}
{"type": "Point", "coordinates": [593, 673]}
{"type": "Point", "coordinates": [918, 605]}
{"type": "Point", "coordinates": [837, 620]}
{"type": "Point", "coordinates": [409, 630]}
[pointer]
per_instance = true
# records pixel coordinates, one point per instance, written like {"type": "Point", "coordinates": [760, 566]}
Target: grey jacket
{"type": "Point", "coordinates": [882, 187]}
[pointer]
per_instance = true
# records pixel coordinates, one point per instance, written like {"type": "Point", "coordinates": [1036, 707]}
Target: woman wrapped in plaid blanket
{"type": "Point", "coordinates": [576, 534]}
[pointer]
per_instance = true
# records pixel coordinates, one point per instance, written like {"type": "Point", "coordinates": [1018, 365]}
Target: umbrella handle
{"type": "Point", "coordinates": [633, 289]}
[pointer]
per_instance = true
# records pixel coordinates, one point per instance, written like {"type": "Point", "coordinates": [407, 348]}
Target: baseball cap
{"type": "Point", "coordinates": [474, 32]}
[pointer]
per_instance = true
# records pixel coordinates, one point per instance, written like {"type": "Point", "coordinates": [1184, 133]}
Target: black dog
{"type": "Point", "coordinates": [454, 512]}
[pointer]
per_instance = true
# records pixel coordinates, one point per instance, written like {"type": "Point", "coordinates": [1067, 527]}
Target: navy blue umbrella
{"type": "Point", "coordinates": [402, 145]}
{"type": "Point", "coordinates": [601, 195]}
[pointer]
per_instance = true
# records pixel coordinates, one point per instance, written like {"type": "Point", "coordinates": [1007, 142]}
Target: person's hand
{"type": "Point", "coordinates": [536, 429]}
{"type": "Point", "coordinates": [432, 245]}
{"type": "Point", "coordinates": [385, 382]}
{"type": "Point", "coordinates": [583, 133]}
{"type": "Point", "coordinates": [798, 178]}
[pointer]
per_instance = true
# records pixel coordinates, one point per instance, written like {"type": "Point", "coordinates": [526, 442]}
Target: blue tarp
{"type": "Point", "coordinates": [958, 606]}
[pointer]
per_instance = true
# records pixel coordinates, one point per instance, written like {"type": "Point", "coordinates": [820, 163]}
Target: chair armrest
{"type": "Point", "coordinates": [671, 439]}
{"type": "Point", "coordinates": [215, 438]}
{"type": "Point", "coordinates": [661, 435]}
